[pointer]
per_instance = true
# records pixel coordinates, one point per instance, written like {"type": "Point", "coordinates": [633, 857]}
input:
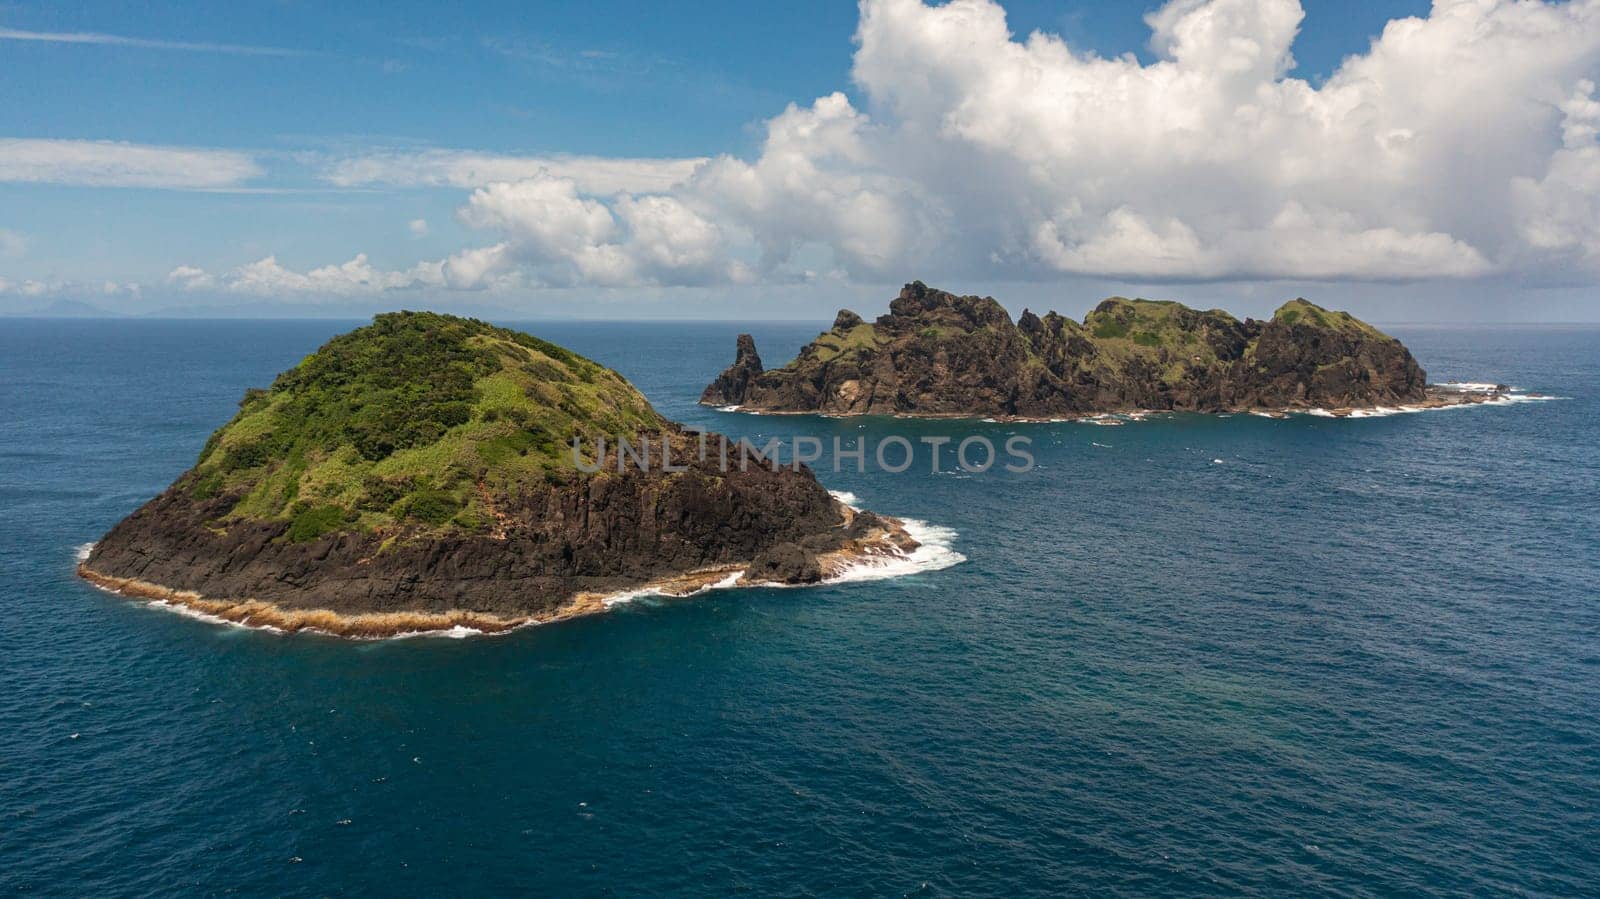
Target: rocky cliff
{"type": "Point", "coordinates": [418, 474]}
{"type": "Point", "coordinates": [936, 354]}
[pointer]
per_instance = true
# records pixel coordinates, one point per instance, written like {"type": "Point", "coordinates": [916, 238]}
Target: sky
{"type": "Point", "coordinates": [1405, 160]}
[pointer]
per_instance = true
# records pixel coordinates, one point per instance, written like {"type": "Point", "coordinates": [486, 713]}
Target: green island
{"type": "Point", "coordinates": [937, 354]}
{"type": "Point", "coordinates": [418, 474]}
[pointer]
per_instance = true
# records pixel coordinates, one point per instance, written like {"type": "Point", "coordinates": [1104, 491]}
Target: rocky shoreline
{"type": "Point", "coordinates": [1437, 396]}
{"type": "Point", "coordinates": [886, 539]}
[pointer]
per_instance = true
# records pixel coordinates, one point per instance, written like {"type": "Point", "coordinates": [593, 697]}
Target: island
{"type": "Point", "coordinates": [420, 474]}
{"type": "Point", "coordinates": [936, 354]}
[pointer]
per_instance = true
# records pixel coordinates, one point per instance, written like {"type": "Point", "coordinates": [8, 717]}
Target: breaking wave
{"type": "Point", "coordinates": [1509, 398]}
{"type": "Point", "coordinates": [935, 551]}
{"type": "Point", "coordinates": [732, 580]}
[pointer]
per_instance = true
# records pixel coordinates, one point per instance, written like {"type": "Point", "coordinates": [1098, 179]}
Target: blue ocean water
{"type": "Point", "coordinates": [1350, 657]}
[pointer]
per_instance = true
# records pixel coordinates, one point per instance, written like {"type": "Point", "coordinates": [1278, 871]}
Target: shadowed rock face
{"type": "Point", "coordinates": [423, 464]}
{"type": "Point", "coordinates": [936, 353]}
{"type": "Point", "coordinates": [735, 381]}
{"type": "Point", "coordinates": [590, 533]}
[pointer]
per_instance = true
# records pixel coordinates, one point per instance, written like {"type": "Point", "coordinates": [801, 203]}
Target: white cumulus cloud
{"type": "Point", "coordinates": [824, 178]}
{"type": "Point", "coordinates": [485, 268]}
{"type": "Point", "coordinates": [569, 238]}
{"type": "Point", "coordinates": [1209, 162]}
{"type": "Point", "coordinates": [1459, 144]}
{"type": "Point", "coordinates": [1558, 214]}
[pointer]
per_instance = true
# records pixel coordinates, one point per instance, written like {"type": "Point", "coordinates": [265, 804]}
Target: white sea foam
{"type": "Point", "coordinates": [936, 551]}
{"type": "Point", "coordinates": [1500, 399]}
{"type": "Point", "coordinates": [187, 612]}
{"type": "Point", "coordinates": [732, 580]}
{"type": "Point", "coordinates": [81, 551]}
{"type": "Point", "coordinates": [1111, 418]}
{"type": "Point", "coordinates": [458, 632]}
{"type": "Point", "coordinates": [727, 408]}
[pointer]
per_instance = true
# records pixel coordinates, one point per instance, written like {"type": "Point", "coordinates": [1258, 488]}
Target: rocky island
{"type": "Point", "coordinates": [418, 474]}
{"type": "Point", "coordinates": [936, 354]}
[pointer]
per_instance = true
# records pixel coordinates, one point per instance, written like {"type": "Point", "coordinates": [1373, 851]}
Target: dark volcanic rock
{"type": "Point", "coordinates": [735, 381]}
{"type": "Point", "coordinates": [936, 353]}
{"type": "Point", "coordinates": [1307, 356]}
{"type": "Point", "coordinates": [785, 563]}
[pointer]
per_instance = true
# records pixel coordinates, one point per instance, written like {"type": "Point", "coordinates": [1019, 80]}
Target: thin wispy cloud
{"type": "Point", "coordinates": [118, 40]}
{"type": "Point", "coordinates": [464, 168]}
{"type": "Point", "coordinates": [12, 244]}
{"type": "Point", "coordinates": [87, 163]}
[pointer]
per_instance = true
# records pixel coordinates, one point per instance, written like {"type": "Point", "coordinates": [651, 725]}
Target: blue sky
{"type": "Point", "coordinates": [274, 98]}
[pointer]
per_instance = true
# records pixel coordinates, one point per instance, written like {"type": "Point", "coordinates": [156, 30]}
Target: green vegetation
{"type": "Point", "coordinates": [402, 420]}
{"type": "Point", "coordinates": [832, 344]}
{"type": "Point", "coordinates": [1109, 329]}
{"type": "Point", "coordinates": [315, 521]}
{"type": "Point", "coordinates": [1304, 310]}
{"type": "Point", "coordinates": [1155, 334]}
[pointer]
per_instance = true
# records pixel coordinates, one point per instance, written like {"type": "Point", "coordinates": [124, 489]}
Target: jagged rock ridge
{"type": "Point", "coordinates": [936, 353]}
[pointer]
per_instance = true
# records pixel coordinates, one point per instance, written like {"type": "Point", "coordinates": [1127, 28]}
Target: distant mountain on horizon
{"type": "Point", "coordinates": [68, 309]}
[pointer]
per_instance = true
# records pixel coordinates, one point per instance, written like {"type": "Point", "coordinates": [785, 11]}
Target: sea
{"type": "Point", "coordinates": [1190, 655]}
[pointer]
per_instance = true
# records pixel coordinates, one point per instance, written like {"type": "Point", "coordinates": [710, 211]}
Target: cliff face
{"type": "Point", "coordinates": [597, 533]}
{"type": "Point", "coordinates": [423, 465]}
{"type": "Point", "coordinates": [935, 353]}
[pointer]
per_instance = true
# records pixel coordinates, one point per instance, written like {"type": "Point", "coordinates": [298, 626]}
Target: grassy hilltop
{"type": "Point", "coordinates": [411, 419]}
